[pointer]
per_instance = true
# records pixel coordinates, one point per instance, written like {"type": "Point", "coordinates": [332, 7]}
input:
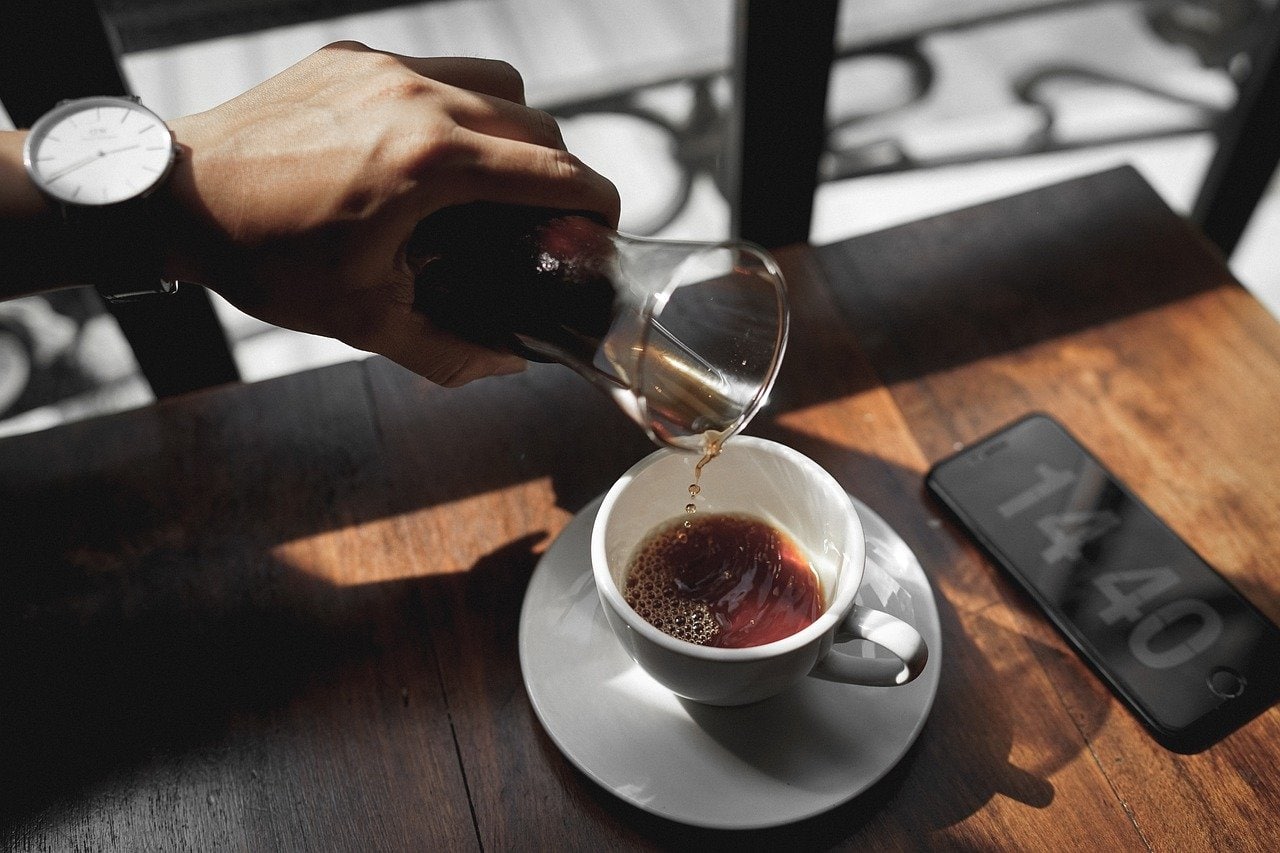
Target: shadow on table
{"type": "Point", "coordinates": [126, 644]}
{"type": "Point", "coordinates": [953, 769]}
{"type": "Point", "coordinates": [946, 291]}
{"type": "Point", "coordinates": [151, 617]}
{"type": "Point", "coordinates": [148, 613]}
{"type": "Point", "coordinates": [109, 666]}
{"type": "Point", "coordinates": [154, 700]}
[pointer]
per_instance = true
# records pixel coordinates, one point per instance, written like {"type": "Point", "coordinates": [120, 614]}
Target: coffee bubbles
{"type": "Point", "coordinates": [723, 579]}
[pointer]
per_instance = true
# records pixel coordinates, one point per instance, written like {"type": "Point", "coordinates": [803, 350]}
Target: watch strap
{"type": "Point", "coordinates": [119, 249]}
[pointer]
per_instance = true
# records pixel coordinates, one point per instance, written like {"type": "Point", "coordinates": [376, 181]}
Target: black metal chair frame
{"type": "Point", "coordinates": [784, 53]}
{"type": "Point", "coordinates": [52, 51]}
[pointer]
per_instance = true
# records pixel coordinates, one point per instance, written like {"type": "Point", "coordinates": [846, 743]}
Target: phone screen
{"type": "Point", "coordinates": [1177, 642]}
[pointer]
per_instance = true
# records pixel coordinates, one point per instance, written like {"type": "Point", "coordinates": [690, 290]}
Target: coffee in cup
{"type": "Point", "coordinates": [726, 580]}
{"type": "Point", "coordinates": [756, 492]}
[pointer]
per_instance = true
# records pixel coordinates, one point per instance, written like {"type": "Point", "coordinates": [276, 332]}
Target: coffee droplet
{"type": "Point", "coordinates": [694, 489]}
{"type": "Point", "coordinates": [711, 443]}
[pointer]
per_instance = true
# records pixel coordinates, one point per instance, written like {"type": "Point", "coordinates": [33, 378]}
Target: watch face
{"type": "Point", "coordinates": [99, 151]}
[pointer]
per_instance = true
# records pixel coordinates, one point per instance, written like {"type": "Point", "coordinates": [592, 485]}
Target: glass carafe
{"type": "Point", "coordinates": [686, 337]}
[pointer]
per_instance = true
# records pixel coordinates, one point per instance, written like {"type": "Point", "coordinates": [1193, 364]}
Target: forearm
{"type": "Point", "coordinates": [40, 250]}
{"type": "Point", "coordinates": [34, 252]}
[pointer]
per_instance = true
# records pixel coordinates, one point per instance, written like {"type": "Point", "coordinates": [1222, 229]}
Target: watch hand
{"type": "Point", "coordinates": [85, 161]}
{"type": "Point", "coordinates": [66, 170]}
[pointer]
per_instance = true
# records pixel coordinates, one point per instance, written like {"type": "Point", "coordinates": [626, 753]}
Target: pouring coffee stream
{"type": "Point", "coordinates": [686, 337]}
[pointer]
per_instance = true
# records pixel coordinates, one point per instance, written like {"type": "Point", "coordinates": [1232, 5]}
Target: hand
{"type": "Point", "coordinates": [296, 199]}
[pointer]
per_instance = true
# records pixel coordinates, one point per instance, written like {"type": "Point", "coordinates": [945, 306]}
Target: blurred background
{"type": "Point", "coordinates": [933, 105]}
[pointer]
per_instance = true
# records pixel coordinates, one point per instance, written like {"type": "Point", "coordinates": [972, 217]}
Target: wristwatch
{"type": "Point", "coordinates": [101, 159]}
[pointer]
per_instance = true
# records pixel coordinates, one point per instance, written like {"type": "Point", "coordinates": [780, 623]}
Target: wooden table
{"type": "Point", "coordinates": [284, 615]}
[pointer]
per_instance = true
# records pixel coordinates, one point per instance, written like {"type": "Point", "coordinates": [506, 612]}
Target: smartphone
{"type": "Point", "coordinates": [1189, 655]}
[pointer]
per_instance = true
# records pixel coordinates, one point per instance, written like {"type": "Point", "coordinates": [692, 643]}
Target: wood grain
{"type": "Point", "coordinates": [284, 615]}
{"type": "Point", "coordinates": [189, 649]}
{"type": "Point", "coordinates": [1100, 306]}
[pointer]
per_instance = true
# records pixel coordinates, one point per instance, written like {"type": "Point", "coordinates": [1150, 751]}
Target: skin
{"type": "Point", "coordinates": [295, 200]}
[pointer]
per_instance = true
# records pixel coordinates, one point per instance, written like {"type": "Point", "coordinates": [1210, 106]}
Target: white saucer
{"type": "Point", "coordinates": [796, 755]}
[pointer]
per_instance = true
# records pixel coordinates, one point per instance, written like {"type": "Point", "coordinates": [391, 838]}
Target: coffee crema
{"type": "Point", "coordinates": [726, 580]}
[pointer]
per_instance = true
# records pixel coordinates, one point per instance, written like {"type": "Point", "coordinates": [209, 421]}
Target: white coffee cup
{"type": "Point", "coordinates": [788, 490]}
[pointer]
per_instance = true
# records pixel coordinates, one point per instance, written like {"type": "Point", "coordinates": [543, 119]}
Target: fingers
{"type": "Point", "coordinates": [452, 363]}
{"type": "Point", "coordinates": [494, 116]}
{"type": "Point", "coordinates": [489, 96]}
{"type": "Point", "coordinates": [500, 150]}
{"type": "Point", "coordinates": [410, 340]}
{"type": "Point", "coordinates": [487, 76]}
{"type": "Point", "coordinates": [511, 154]}
{"type": "Point", "coordinates": [509, 171]}
{"type": "Point", "coordinates": [455, 363]}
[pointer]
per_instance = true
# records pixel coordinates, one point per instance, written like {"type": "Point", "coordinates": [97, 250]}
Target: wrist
{"type": "Point", "coordinates": [20, 199]}
{"type": "Point", "coordinates": [33, 238]}
{"type": "Point", "coordinates": [102, 162]}
{"type": "Point", "coordinates": [184, 213]}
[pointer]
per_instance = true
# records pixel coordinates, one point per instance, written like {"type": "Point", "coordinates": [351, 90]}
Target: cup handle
{"type": "Point", "coordinates": [888, 632]}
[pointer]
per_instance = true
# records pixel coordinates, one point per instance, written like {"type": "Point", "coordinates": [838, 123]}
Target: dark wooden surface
{"type": "Point", "coordinates": [284, 615]}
